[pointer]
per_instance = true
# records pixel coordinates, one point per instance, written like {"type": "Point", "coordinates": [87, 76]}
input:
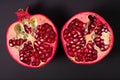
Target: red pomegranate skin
{"type": "Point", "coordinates": [32, 39]}
{"type": "Point", "coordinates": [87, 38]}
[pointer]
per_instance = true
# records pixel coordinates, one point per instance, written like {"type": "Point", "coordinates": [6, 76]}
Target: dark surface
{"type": "Point", "coordinates": [61, 68]}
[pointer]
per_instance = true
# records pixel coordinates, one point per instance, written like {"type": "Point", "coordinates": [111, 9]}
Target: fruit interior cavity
{"type": "Point", "coordinates": [84, 40]}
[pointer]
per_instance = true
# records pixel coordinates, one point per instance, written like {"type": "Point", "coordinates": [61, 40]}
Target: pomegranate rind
{"type": "Point", "coordinates": [41, 19]}
{"type": "Point", "coordinates": [83, 16]}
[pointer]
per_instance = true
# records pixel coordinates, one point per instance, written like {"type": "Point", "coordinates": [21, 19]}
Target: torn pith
{"type": "Point", "coordinates": [20, 32]}
{"type": "Point", "coordinates": [105, 36]}
{"type": "Point", "coordinates": [90, 37]}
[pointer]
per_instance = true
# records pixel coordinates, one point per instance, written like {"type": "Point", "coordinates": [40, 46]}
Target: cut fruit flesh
{"type": "Point", "coordinates": [26, 29]}
{"type": "Point", "coordinates": [107, 36]}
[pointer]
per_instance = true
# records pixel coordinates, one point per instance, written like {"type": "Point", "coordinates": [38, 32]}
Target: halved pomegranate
{"type": "Point", "coordinates": [87, 38]}
{"type": "Point", "coordinates": [32, 39]}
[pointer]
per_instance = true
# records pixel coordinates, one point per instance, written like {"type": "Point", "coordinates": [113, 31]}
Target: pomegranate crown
{"type": "Point", "coordinates": [22, 13]}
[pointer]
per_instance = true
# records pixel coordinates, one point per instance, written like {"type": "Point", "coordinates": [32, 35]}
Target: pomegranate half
{"type": "Point", "coordinates": [87, 38]}
{"type": "Point", "coordinates": [32, 39]}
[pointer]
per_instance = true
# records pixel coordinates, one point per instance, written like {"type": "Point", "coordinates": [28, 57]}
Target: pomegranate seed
{"type": "Point", "coordinates": [79, 57]}
{"type": "Point", "coordinates": [16, 42]}
{"type": "Point", "coordinates": [100, 43]}
{"type": "Point", "coordinates": [71, 54]}
{"type": "Point", "coordinates": [12, 42]}
{"type": "Point", "coordinates": [28, 30]}
{"type": "Point", "coordinates": [90, 45]}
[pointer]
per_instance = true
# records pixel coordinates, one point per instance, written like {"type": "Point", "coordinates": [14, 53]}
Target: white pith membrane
{"type": "Point", "coordinates": [31, 23]}
{"type": "Point", "coordinates": [90, 37]}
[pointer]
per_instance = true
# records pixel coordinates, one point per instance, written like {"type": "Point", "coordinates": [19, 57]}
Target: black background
{"type": "Point", "coordinates": [59, 11]}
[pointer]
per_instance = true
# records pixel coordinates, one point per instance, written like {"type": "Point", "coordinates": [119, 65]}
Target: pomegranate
{"type": "Point", "coordinates": [32, 39]}
{"type": "Point", "coordinates": [87, 38]}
